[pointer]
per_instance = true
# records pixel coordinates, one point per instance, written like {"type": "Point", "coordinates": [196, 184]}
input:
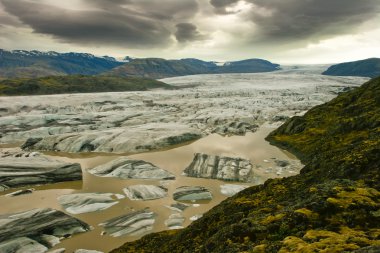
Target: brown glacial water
{"type": "Point", "coordinates": [251, 146]}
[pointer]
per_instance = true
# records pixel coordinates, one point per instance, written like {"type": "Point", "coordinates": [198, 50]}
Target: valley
{"type": "Point", "coordinates": [226, 115]}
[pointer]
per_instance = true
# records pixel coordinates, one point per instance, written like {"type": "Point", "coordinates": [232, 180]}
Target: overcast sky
{"type": "Point", "coordinates": [283, 31]}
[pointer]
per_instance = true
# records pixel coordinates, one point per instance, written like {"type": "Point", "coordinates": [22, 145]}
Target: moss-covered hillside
{"type": "Point", "coordinates": [76, 84]}
{"type": "Point", "coordinates": [332, 206]}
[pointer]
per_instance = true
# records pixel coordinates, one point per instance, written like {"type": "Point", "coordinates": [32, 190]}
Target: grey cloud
{"type": "Point", "coordinates": [297, 20]}
{"type": "Point", "coordinates": [134, 24]}
{"type": "Point", "coordinates": [221, 5]}
{"type": "Point", "coordinates": [187, 32]}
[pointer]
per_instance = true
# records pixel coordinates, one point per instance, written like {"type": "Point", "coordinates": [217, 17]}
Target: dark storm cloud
{"type": "Point", "coordinates": [187, 32]}
{"type": "Point", "coordinates": [157, 9]}
{"type": "Point", "coordinates": [294, 20]}
{"type": "Point", "coordinates": [221, 5]}
{"type": "Point", "coordinates": [135, 24]}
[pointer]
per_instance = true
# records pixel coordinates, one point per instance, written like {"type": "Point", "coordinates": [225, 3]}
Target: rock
{"type": "Point", "coordinates": [87, 251]}
{"type": "Point", "coordinates": [145, 192]}
{"type": "Point", "coordinates": [132, 224]}
{"type": "Point", "coordinates": [231, 189]}
{"type": "Point", "coordinates": [280, 118]}
{"type": "Point", "coordinates": [282, 163]}
{"type": "Point", "coordinates": [192, 193]}
{"type": "Point", "coordinates": [134, 139]}
{"type": "Point", "coordinates": [13, 153]}
{"type": "Point", "coordinates": [30, 142]}
{"type": "Point", "coordinates": [126, 168]}
{"type": "Point", "coordinates": [179, 207]}
{"type": "Point", "coordinates": [20, 192]}
{"type": "Point", "coordinates": [220, 167]}
{"type": "Point", "coordinates": [36, 230]}
{"type": "Point", "coordinates": [175, 221]}
{"type": "Point", "coordinates": [22, 245]}
{"type": "Point", "coordinates": [87, 202]}
{"type": "Point", "coordinates": [196, 217]}
{"type": "Point", "coordinates": [61, 250]}
{"type": "Point", "coordinates": [235, 128]}
{"type": "Point", "coordinates": [32, 170]}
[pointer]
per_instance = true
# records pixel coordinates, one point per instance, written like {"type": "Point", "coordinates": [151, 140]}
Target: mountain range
{"type": "Point", "coordinates": [21, 63]}
{"type": "Point", "coordinates": [30, 64]}
{"type": "Point", "coordinates": [160, 68]}
{"type": "Point", "coordinates": [366, 68]}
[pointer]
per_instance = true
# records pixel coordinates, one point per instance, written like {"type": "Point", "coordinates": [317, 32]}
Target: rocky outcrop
{"type": "Point", "coordinates": [145, 192]}
{"type": "Point", "coordinates": [119, 140]}
{"type": "Point", "coordinates": [126, 168]}
{"type": "Point", "coordinates": [37, 169]}
{"type": "Point", "coordinates": [87, 202]}
{"type": "Point", "coordinates": [36, 230]}
{"type": "Point", "coordinates": [132, 224]}
{"type": "Point", "coordinates": [220, 167]}
{"type": "Point", "coordinates": [192, 193]}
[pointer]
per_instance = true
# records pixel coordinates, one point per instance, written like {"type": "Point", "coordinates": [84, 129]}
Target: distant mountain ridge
{"type": "Point", "coordinates": [22, 63]}
{"type": "Point", "coordinates": [32, 64]}
{"type": "Point", "coordinates": [160, 68]}
{"type": "Point", "coordinates": [365, 68]}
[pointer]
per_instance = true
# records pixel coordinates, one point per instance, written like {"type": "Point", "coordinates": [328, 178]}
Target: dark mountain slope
{"type": "Point", "coordinates": [160, 68]}
{"type": "Point", "coordinates": [76, 84]}
{"type": "Point", "coordinates": [366, 68]}
{"type": "Point", "coordinates": [20, 63]}
{"type": "Point", "coordinates": [248, 66]}
{"type": "Point", "coordinates": [332, 206]}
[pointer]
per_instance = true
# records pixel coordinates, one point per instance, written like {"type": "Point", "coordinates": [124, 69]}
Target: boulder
{"type": "Point", "coordinates": [126, 168]}
{"type": "Point", "coordinates": [178, 207]}
{"type": "Point", "coordinates": [220, 167]}
{"type": "Point", "coordinates": [175, 221]}
{"type": "Point", "coordinates": [145, 192]}
{"type": "Point", "coordinates": [34, 170]}
{"type": "Point", "coordinates": [192, 193]}
{"type": "Point", "coordinates": [132, 224]}
{"type": "Point", "coordinates": [36, 230]}
{"type": "Point", "coordinates": [87, 202]}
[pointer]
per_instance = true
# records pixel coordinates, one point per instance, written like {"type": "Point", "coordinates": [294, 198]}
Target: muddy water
{"type": "Point", "coordinates": [252, 146]}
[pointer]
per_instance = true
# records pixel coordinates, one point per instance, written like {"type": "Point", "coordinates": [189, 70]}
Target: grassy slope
{"type": "Point", "coordinates": [76, 84]}
{"type": "Point", "coordinates": [332, 206]}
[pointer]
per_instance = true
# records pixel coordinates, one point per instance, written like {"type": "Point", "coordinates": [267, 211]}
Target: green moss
{"type": "Point", "coordinates": [345, 239]}
{"type": "Point", "coordinates": [357, 196]}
